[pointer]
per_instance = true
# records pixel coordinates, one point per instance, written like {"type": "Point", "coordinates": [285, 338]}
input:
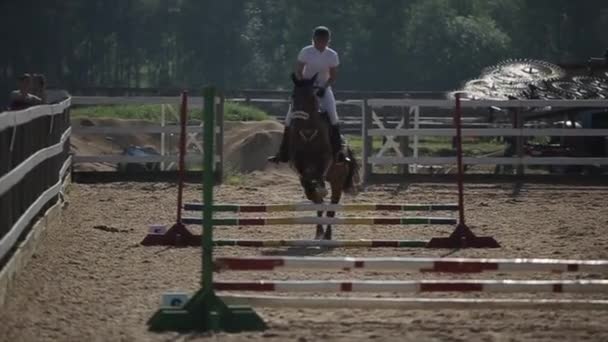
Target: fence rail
{"type": "Point", "coordinates": [401, 122]}
{"type": "Point", "coordinates": [400, 149]}
{"type": "Point", "coordinates": [165, 158]}
{"type": "Point", "coordinates": [488, 161]}
{"type": "Point", "coordinates": [34, 150]}
{"type": "Point", "coordinates": [489, 132]}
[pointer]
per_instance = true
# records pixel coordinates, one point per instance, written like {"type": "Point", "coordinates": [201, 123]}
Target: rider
{"type": "Point", "coordinates": [319, 59]}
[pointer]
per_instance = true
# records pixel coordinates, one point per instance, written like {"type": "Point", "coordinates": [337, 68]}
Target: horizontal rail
{"type": "Point", "coordinates": [417, 286]}
{"type": "Point", "coordinates": [7, 242]}
{"type": "Point", "coordinates": [323, 243]}
{"type": "Point", "coordinates": [18, 173]}
{"type": "Point", "coordinates": [322, 220]}
{"type": "Point", "coordinates": [432, 265]}
{"type": "Point", "coordinates": [322, 207]}
{"type": "Point", "coordinates": [489, 132]}
{"type": "Point", "coordinates": [196, 159]}
{"type": "Point", "coordinates": [373, 102]}
{"type": "Point", "coordinates": [126, 100]}
{"type": "Point", "coordinates": [194, 101]}
{"type": "Point", "coordinates": [409, 304]}
{"type": "Point", "coordinates": [285, 100]}
{"type": "Point", "coordinates": [488, 103]}
{"type": "Point", "coordinates": [489, 160]}
{"type": "Point", "coordinates": [134, 129]}
{"type": "Point", "coordinates": [20, 117]}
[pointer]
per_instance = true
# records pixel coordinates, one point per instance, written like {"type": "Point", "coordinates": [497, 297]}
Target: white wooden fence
{"type": "Point", "coordinates": [374, 127]}
{"type": "Point", "coordinates": [34, 162]}
{"type": "Point", "coordinates": [167, 158]}
{"type": "Point", "coordinates": [391, 151]}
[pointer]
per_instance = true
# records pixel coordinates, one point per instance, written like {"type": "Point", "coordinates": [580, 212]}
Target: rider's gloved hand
{"type": "Point", "coordinates": [321, 92]}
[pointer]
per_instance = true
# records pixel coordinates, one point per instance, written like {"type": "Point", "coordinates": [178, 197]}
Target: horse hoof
{"type": "Point", "coordinates": [319, 234]}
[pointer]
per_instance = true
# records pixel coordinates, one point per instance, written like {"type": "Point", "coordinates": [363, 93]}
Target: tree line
{"type": "Point", "coordinates": [383, 44]}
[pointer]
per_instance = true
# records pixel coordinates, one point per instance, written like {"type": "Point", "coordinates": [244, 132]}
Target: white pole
{"type": "Point", "coordinates": [416, 110]}
{"type": "Point", "coordinates": [162, 135]}
{"type": "Point", "coordinates": [415, 303]}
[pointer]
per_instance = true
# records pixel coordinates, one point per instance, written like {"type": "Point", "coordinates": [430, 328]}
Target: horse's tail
{"type": "Point", "coordinates": [352, 179]}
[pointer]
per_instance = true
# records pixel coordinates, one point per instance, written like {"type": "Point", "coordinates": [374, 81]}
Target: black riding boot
{"type": "Point", "coordinates": [336, 143]}
{"type": "Point", "coordinates": [283, 155]}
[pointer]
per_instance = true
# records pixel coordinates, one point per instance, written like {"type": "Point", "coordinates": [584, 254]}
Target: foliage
{"type": "Point", "coordinates": [239, 112]}
{"type": "Point", "coordinates": [141, 112]}
{"type": "Point", "coordinates": [383, 44]}
{"type": "Point", "coordinates": [232, 112]}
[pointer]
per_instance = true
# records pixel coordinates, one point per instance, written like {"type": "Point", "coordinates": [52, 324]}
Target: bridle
{"type": "Point", "coordinates": [303, 115]}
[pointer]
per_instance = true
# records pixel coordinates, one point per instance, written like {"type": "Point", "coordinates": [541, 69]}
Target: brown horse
{"type": "Point", "coordinates": [310, 153]}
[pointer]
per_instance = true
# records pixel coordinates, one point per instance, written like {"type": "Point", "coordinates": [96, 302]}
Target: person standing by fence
{"type": "Point", "coordinates": [22, 98]}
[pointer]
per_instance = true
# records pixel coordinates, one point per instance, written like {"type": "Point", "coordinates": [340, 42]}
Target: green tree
{"type": "Point", "coordinates": [383, 44]}
{"type": "Point", "coordinates": [445, 48]}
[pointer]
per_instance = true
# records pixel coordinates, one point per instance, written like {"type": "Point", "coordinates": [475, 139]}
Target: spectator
{"type": "Point", "coordinates": [39, 87]}
{"type": "Point", "coordinates": [21, 98]}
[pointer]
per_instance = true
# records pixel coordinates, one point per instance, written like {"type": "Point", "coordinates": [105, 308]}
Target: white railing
{"type": "Point", "coordinates": [166, 159]}
{"type": "Point", "coordinates": [414, 107]}
{"type": "Point", "coordinates": [375, 127]}
{"type": "Point", "coordinates": [489, 132]}
{"type": "Point", "coordinates": [16, 118]}
{"type": "Point", "coordinates": [8, 241]}
{"type": "Point", "coordinates": [377, 103]}
{"type": "Point", "coordinates": [489, 160]}
{"type": "Point", "coordinates": [18, 173]}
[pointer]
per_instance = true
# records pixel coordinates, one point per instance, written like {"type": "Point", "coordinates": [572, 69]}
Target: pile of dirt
{"type": "Point", "coordinates": [246, 144]}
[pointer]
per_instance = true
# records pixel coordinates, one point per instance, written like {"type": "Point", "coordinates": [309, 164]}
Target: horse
{"type": "Point", "coordinates": [310, 153]}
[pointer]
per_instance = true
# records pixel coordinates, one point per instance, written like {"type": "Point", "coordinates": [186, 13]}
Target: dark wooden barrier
{"type": "Point", "coordinates": [18, 144]}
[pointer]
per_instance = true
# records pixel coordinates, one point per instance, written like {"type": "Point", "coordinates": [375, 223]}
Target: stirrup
{"type": "Point", "coordinates": [278, 159]}
{"type": "Point", "coordinates": [341, 157]}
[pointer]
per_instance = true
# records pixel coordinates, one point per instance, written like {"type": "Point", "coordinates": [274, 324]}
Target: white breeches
{"type": "Point", "coordinates": [327, 104]}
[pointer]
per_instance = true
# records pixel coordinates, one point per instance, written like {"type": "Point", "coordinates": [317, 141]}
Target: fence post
{"type": "Point", "coordinates": [404, 142]}
{"type": "Point", "coordinates": [219, 137]}
{"type": "Point", "coordinates": [367, 141]}
{"type": "Point", "coordinates": [518, 123]}
{"type": "Point", "coordinates": [162, 136]}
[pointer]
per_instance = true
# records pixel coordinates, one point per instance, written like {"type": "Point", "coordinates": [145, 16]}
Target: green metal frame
{"type": "Point", "coordinates": [205, 311]}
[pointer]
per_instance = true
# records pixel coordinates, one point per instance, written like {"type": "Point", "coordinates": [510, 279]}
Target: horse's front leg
{"type": "Point", "coordinates": [319, 234]}
{"type": "Point", "coordinates": [311, 189]}
{"type": "Point", "coordinates": [336, 195]}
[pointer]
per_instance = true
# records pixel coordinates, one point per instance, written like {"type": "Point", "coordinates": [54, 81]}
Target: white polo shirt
{"type": "Point", "coordinates": [319, 62]}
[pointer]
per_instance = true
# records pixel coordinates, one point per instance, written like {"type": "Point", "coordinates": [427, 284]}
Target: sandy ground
{"type": "Point", "coordinates": [91, 280]}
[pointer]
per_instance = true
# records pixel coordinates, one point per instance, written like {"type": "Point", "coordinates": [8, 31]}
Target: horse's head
{"type": "Point", "coordinates": [308, 126]}
{"type": "Point", "coordinates": [303, 97]}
